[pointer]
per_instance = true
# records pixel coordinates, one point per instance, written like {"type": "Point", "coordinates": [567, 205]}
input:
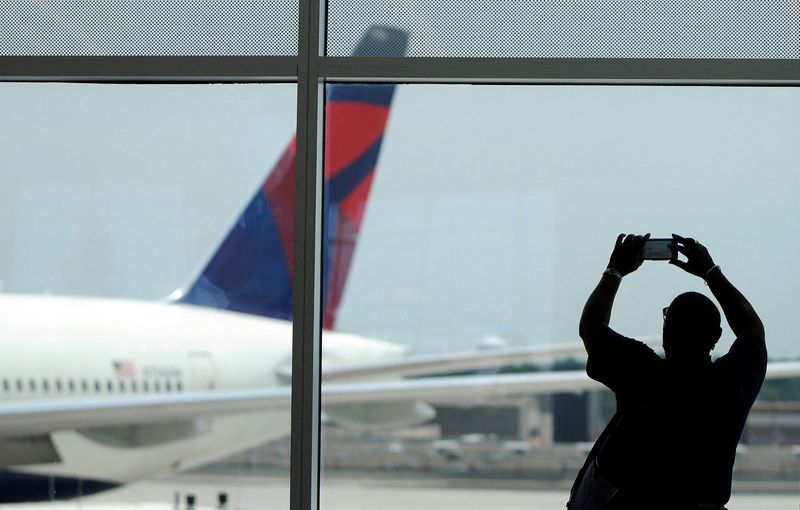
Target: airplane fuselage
{"type": "Point", "coordinates": [59, 348]}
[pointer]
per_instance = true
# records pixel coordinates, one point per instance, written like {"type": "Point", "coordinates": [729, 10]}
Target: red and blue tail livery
{"type": "Point", "coordinates": [252, 270]}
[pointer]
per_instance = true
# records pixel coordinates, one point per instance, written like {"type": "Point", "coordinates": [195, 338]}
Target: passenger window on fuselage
{"type": "Point", "coordinates": [179, 386]}
{"type": "Point", "coordinates": [85, 385]}
{"type": "Point", "coordinates": [146, 386]}
{"type": "Point", "coordinates": [6, 385]}
{"type": "Point", "coordinates": [110, 386]}
{"type": "Point", "coordinates": [71, 386]}
{"type": "Point", "coordinates": [20, 385]}
{"type": "Point", "coordinates": [45, 385]}
{"type": "Point", "coordinates": [59, 386]}
{"type": "Point", "coordinates": [134, 389]}
{"type": "Point", "coordinates": [157, 386]}
{"type": "Point", "coordinates": [96, 386]}
{"type": "Point", "coordinates": [168, 386]}
{"type": "Point", "coordinates": [122, 386]}
{"type": "Point", "coordinates": [32, 384]}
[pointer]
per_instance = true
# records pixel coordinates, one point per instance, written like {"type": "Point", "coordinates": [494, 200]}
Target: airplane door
{"type": "Point", "coordinates": [203, 371]}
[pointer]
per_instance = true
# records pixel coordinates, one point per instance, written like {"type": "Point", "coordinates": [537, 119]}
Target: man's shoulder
{"type": "Point", "coordinates": [745, 364]}
{"type": "Point", "coordinates": [748, 348]}
{"type": "Point", "coordinates": [624, 365]}
{"type": "Point", "coordinates": [613, 349]}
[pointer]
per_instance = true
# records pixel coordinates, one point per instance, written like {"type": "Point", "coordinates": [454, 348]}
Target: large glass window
{"type": "Point", "coordinates": [457, 219]}
{"type": "Point", "coordinates": [491, 215]}
{"type": "Point", "coordinates": [147, 238]}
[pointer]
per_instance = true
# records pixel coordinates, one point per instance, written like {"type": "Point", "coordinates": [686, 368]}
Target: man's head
{"type": "Point", "coordinates": [691, 326]}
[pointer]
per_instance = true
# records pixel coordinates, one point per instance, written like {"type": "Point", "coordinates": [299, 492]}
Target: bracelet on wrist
{"type": "Point", "coordinates": [705, 278]}
{"type": "Point", "coordinates": [613, 272]}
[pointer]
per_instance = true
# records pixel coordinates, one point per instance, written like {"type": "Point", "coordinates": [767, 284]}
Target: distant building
{"type": "Point", "coordinates": [773, 423]}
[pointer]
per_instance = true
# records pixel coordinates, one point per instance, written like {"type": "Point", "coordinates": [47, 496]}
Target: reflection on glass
{"type": "Point", "coordinates": [479, 241]}
{"type": "Point", "coordinates": [113, 197]}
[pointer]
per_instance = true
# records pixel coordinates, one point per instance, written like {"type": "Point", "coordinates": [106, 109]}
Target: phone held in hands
{"type": "Point", "coordinates": [658, 249]}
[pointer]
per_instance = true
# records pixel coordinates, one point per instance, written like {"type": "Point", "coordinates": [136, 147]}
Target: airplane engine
{"type": "Point", "coordinates": [383, 415]}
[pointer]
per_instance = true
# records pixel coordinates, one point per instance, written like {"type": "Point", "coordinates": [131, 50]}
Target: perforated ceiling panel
{"type": "Point", "coordinates": [148, 27]}
{"type": "Point", "coordinates": [767, 29]}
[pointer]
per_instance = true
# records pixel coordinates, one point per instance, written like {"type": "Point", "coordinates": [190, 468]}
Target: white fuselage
{"type": "Point", "coordinates": [57, 348]}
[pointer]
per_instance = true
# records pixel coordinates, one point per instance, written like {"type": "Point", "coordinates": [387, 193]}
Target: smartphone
{"type": "Point", "coordinates": [658, 249]}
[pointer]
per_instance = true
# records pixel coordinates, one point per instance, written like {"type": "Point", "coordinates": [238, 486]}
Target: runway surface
{"type": "Point", "coordinates": [347, 494]}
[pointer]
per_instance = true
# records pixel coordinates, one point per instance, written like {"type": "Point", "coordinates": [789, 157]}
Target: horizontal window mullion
{"type": "Point", "coordinates": [444, 70]}
{"type": "Point", "coordinates": [149, 69]}
{"type": "Point", "coordinates": [611, 71]}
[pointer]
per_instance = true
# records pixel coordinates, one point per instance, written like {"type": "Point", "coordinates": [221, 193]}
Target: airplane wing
{"type": "Point", "coordinates": [448, 389]}
{"type": "Point", "coordinates": [32, 418]}
{"type": "Point", "coordinates": [25, 419]}
{"type": "Point", "coordinates": [452, 362]}
{"type": "Point", "coordinates": [29, 418]}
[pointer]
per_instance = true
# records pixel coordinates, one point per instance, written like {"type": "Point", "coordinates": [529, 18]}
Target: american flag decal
{"type": "Point", "coordinates": [123, 369]}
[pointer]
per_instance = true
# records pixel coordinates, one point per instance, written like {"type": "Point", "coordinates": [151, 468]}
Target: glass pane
{"type": "Point", "coordinates": [576, 29]}
{"type": "Point", "coordinates": [149, 28]}
{"type": "Point", "coordinates": [488, 220]}
{"type": "Point", "coordinates": [130, 281]}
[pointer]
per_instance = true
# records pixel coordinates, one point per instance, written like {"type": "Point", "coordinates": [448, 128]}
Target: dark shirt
{"type": "Point", "coordinates": [680, 423]}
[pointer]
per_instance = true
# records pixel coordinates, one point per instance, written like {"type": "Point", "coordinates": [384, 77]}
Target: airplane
{"type": "Point", "coordinates": [101, 392]}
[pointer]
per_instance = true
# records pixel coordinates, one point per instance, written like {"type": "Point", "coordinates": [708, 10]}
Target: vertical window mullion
{"type": "Point", "coordinates": [306, 363]}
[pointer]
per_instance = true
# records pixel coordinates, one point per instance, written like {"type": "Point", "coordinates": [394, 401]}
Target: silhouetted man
{"type": "Point", "coordinates": [672, 443]}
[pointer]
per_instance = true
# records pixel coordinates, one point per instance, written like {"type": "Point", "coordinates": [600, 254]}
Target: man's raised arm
{"type": "Point", "coordinates": [625, 259]}
{"type": "Point", "coordinates": [739, 313]}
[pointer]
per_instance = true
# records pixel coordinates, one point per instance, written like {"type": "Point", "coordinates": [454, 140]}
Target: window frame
{"type": "Point", "coordinates": [310, 69]}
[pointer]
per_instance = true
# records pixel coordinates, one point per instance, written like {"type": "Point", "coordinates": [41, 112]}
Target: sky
{"type": "Point", "coordinates": [493, 212]}
{"type": "Point", "coordinates": [496, 208]}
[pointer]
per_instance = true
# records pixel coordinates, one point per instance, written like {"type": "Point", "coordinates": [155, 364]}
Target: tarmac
{"type": "Point", "coordinates": [254, 493]}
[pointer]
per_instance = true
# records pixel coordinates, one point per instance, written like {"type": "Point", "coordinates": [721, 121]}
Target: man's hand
{"type": "Point", "coordinates": [627, 255]}
{"type": "Point", "coordinates": [698, 262]}
{"type": "Point", "coordinates": [625, 259]}
{"type": "Point", "coordinates": [742, 318]}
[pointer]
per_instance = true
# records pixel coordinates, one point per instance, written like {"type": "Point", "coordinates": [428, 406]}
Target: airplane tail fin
{"type": "Point", "coordinates": [253, 269]}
